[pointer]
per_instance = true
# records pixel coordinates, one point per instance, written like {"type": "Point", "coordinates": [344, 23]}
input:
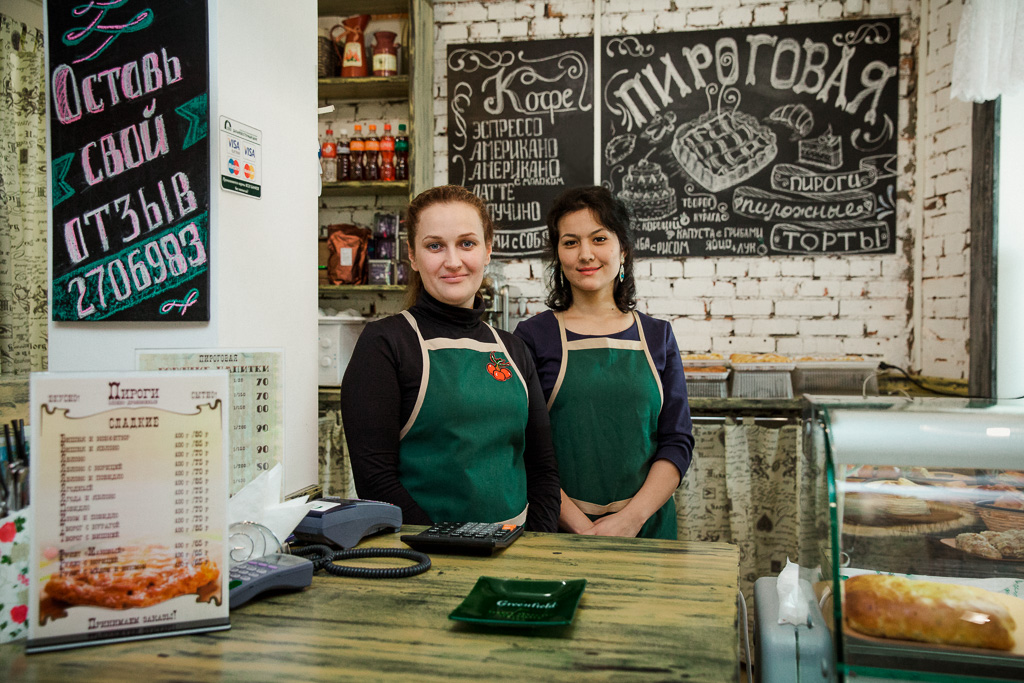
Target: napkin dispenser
{"type": "Point", "coordinates": [788, 653]}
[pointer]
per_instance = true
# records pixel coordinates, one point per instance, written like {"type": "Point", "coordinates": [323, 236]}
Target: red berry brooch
{"type": "Point", "coordinates": [499, 368]}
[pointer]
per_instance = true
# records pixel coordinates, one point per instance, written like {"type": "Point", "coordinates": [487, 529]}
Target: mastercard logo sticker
{"type": "Point", "coordinates": [250, 172]}
{"type": "Point", "coordinates": [233, 166]}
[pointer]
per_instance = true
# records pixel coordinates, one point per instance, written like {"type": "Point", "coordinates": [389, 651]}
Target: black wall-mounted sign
{"type": "Point", "coordinates": [749, 142]}
{"type": "Point", "coordinates": [521, 131]}
{"type": "Point", "coordinates": [129, 122]}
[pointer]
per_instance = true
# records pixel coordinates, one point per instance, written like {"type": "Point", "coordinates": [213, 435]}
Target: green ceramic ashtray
{"type": "Point", "coordinates": [520, 602]}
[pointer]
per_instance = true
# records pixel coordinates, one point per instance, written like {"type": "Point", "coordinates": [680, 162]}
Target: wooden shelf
{"type": "Point", "coordinates": [347, 8]}
{"type": "Point", "coordinates": [328, 290]}
{"type": "Point", "coordinates": [356, 188]}
{"type": "Point", "coordinates": [368, 88]}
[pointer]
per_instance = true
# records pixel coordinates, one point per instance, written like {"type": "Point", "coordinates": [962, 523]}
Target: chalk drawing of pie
{"type": "Point", "coordinates": [723, 147]}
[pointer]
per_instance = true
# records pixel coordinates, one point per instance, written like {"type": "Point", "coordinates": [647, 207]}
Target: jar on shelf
{"type": "Point", "coordinates": [353, 56]}
{"type": "Point", "coordinates": [385, 54]}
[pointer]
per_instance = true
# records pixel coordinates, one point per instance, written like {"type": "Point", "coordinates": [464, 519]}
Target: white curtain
{"type": "Point", "coordinates": [335, 467]}
{"type": "Point", "coordinates": [989, 59]}
{"type": "Point", "coordinates": [23, 284]}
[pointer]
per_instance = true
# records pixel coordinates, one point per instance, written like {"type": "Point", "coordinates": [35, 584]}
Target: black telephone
{"type": "Point", "coordinates": [343, 522]}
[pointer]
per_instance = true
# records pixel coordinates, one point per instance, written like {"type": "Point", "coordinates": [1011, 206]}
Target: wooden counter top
{"type": "Point", "coordinates": [652, 610]}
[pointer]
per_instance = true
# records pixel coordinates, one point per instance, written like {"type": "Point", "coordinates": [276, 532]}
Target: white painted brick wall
{"type": "Point", "coordinates": [945, 128]}
{"type": "Point", "coordinates": [804, 308]}
{"type": "Point", "coordinates": [792, 305]}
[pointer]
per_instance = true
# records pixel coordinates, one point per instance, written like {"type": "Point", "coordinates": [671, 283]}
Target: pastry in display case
{"type": "Point", "coordinates": [921, 518]}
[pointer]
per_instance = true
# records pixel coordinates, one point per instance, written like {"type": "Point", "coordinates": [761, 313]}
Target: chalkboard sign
{"type": "Point", "coordinates": [129, 121]}
{"type": "Point", "coordinates": [520, 131]}
{"type": "Point", "coordinates": [749, 142]}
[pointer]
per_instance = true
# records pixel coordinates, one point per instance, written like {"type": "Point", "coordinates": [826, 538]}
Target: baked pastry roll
{"type": "Point", "coordinates": [976, 544]}
{"type": "Point", "coordinates": [927, 611]}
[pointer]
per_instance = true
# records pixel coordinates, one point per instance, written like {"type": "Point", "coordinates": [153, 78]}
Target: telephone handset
{"type": "Point", "coordinates": [343, 522]}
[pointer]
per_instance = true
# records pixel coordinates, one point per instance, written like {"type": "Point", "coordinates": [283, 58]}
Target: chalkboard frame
{"type": "Point", "coordinates": [128, 94]}
{"type": "Point", "coordinates": [525, 106]}
{"type": "Point", "coordinates": [763, 141]}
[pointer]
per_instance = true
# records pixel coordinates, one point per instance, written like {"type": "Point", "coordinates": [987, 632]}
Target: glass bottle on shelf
{"type": "Point", "coordinates": [329, 158]}
{"type": "Point", "coordinates": [401, 154]}
{"type": "Point", "coordinates": [357, 148]}
{"type": "Point", "coordinates": [343, 160]}
{"type": "Point", "coordinates": [371, 157]}
{"type": "Point", "coordinates": [387, 154]}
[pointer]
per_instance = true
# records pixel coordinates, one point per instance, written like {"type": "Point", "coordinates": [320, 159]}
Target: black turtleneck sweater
{"type": "Point", "coordinates": [379, 392]}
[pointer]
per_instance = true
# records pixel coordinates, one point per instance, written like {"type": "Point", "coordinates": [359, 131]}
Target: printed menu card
{"type": "Point", "coordinates": [129, 488]}
{"type": "Point", "coordinates": [255, 410]}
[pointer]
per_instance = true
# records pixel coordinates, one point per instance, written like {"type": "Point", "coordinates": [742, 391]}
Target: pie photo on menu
{"type": "Point", "coordinates": [128, 578]}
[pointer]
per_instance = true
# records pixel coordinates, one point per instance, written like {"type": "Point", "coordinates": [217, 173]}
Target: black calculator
{"type": "Point", "coordinates": [270, 572]}
{"type": "Point", "coordinates": [464, 538]}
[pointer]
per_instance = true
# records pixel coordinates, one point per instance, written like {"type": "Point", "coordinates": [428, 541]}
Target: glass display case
{"type": "Point", "coordinates": [921, 521]}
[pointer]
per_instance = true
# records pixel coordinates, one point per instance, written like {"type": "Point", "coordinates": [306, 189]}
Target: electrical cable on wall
{"type": "Point", "coordinates": [940, 392]}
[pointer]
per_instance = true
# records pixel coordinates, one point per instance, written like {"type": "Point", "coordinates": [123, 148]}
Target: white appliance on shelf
{"type": "Point", "coordinates": [337, 339]}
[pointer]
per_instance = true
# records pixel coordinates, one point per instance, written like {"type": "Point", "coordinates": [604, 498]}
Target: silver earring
{"type": "Point", "coordinates": [622, 272]}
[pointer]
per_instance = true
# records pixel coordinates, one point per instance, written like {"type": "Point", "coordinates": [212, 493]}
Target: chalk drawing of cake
{"type": "Point", "coordinates": [646, 191]}
{"type": "Point", "coordinates": [721, 148]}
{"type": "Point", "coordinates": [826, 150]}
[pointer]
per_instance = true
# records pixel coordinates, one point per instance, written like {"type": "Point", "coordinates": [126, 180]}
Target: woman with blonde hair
{"type": "Point", "coordinates": [443, 414]}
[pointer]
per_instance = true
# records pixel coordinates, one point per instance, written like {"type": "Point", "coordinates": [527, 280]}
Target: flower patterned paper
{"type": "Point", "coordinates": [14, 576]}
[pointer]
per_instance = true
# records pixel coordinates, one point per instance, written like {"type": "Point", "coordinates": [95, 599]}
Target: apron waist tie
{"type": "Point", "coordinates": [597, 510]}
{"type": "Point", "coordinates": [519, 519]}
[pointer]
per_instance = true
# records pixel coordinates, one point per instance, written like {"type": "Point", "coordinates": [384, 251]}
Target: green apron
{"type": "Point", "coordinates": [461, 451]}
{"type": "Point", "coordinates": [604, 423]}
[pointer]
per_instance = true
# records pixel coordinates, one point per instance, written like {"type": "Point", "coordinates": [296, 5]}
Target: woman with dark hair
{"type": "Point", "coordinates": [613, 377]}
{"type": "Point", "coordinates": [444, 415]}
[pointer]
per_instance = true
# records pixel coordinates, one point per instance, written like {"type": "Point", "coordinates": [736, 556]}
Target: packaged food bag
{"type": "Point", "coordinates": [346, 259]}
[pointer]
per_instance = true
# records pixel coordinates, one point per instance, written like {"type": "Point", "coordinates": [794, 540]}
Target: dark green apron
{"type": "Point", "coordinates": [461, 452]}
{"type": "Point", "coordinates": [604, 422]}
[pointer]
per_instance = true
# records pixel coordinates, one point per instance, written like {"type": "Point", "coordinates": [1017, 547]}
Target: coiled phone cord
{"type": "Point", "coordinates": [324, 557]}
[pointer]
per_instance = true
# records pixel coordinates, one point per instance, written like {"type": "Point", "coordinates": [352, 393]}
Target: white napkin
{"type": "Point", "coordinates": [795, 595]}
{"type": "Point", "coordinates": [260, 501]}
